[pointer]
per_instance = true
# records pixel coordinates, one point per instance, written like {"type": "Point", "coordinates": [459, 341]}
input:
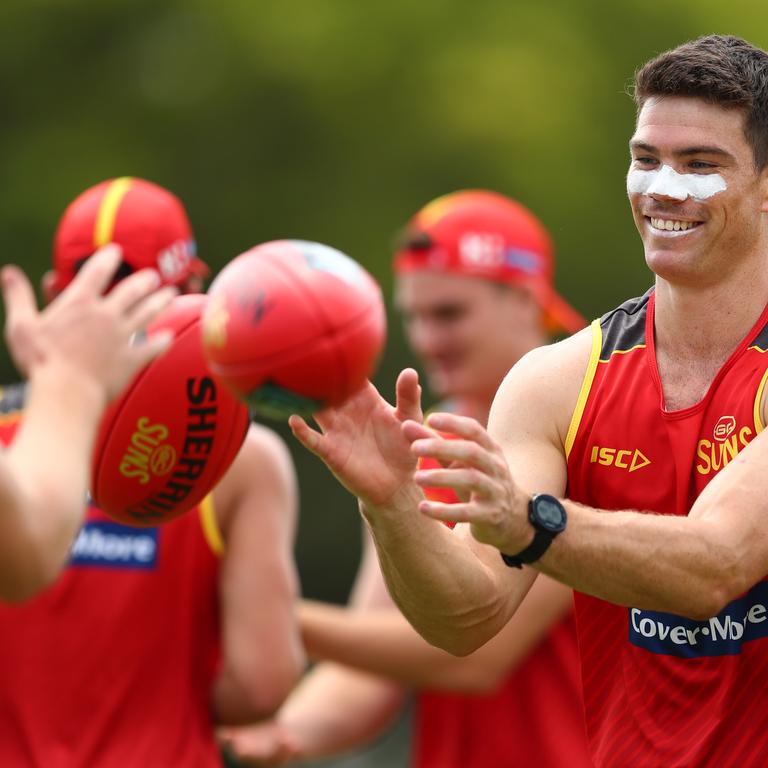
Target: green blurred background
{"type": "Point", "coordinates": [334, 121]}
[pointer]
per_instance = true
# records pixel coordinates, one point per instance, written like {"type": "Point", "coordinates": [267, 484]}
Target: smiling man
{"type": "Point", "coordinates": [468, 264]}
{"type": "Point", "coordinates": [627, 461]}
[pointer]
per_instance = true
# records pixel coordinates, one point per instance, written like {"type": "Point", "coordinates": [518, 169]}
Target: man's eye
{"type": "Point", "coordinates": [700, 165]}
{"type": "Point", "coordinates": [645, 161]}
{"type": "Point", "coordinates": [449, 314]}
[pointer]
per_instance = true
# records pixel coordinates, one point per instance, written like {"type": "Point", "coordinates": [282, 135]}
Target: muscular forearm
{"type": "Point", "coordinates": [419, 557]}
{"type": "Point", "coordinates": [382, 642]}
{"type": "Point", "coordinates": [379, 642]}
{"type": "Point", "coordinates": [253, 687]}
{"type": "Point", "coordinates": [684, 565]}
{"type": "Point", "coordinates": [49, 466]}
{"type": "Point", "coordinates": [336, 709]}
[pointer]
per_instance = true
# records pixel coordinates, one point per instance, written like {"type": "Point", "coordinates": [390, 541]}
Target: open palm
{"type": "Point", "coordinates": [362, 442]}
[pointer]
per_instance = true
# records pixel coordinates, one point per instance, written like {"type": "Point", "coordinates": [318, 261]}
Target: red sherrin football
{"type": "Point", "coordinates": [169, 438]}
{"type": "Point", "coordinates": [293, 326]}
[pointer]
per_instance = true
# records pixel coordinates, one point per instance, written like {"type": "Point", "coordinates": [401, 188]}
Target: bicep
{"type": "Point", "coordinates": [529, 420]}
{"type": "Point", "coordinates": [258, 580]}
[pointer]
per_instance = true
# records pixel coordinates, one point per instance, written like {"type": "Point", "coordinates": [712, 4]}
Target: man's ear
{"type": "Point", "coordinates": [764, 188]}
{"type": "Point", "coordinates": [48, 284]}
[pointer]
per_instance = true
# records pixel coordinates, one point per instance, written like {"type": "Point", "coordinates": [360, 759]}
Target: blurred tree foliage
{"type": "Point", "coordinates": [334, 121]}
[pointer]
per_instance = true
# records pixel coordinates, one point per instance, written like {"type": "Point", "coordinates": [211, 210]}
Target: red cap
{"type": "Point", "coordinates": [147, 221]}
{"type": "Point", "coordinates": [484, 234]}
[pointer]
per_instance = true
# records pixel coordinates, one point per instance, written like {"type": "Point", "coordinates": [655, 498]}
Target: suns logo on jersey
{"type": "Point", "coordinates": [147, 454]}
{"type": "Point", "coordinates": [622, 458]}
{"type": "Point", "coordinates": [712, 455]}
{"type": "Point", "coordinates": [724, 428]}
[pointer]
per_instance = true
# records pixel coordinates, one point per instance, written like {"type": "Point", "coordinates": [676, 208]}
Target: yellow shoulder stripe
{"type": "Point", "coordinates": [104, 228]}
{"type": "Point", "coordinates": [210, 525]}
{"type": "Point", "coordinates": [586, 386]}
{"type": "Point", "coordinates": [622, 352]}
{"type": "Point", "coordinates": [757, 411]}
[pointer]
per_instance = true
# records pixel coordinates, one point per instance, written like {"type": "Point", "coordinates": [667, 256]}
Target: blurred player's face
{"type": "Point", "coordinates": [193, 284]}
{"type": "Point", "coordinates": [467, 332]}
{"type": "Point", "coordinates": [701, 216]}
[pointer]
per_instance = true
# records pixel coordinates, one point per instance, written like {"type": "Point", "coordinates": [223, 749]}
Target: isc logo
{"type": "Point", "coordinates": [621, 458]}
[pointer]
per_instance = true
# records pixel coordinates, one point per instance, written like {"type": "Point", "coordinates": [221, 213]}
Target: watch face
{"type": "Point", "coordinates": [549, 512]}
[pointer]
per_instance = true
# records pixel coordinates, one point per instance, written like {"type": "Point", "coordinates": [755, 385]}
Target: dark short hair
{"type": "Point", "coordinates": [721, 69]}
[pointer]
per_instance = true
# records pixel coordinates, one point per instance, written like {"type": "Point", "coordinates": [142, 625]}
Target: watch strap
{"type": "Point", "coordinates": [539, 545]}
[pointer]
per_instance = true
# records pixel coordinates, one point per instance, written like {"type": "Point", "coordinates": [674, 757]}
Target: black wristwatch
{"type": "Point", "coordinates": [547, 516]}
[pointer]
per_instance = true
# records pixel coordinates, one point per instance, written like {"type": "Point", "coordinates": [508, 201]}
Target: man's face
{"type": "Point", "coordinates": [467, 332]}
{"type": "Point", "coordinates": [700, 215]}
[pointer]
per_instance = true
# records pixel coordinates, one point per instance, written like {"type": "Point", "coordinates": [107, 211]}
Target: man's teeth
{"type": "Point", "coordinates": [671, 225]}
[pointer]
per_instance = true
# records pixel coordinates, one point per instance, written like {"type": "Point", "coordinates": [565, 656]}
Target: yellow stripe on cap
{"type": "Point", "coordinates": [104, 228]}
{"type": "Point", "coordinates": [437, 208]}
{"type": "Point", "coordinates": [210, 525]}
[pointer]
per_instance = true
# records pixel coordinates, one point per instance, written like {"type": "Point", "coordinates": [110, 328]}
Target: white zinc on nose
{"type": "Point", "coordinates": [667, 182]}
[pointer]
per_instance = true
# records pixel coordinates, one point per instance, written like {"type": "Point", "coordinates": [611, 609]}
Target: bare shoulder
{"type": "Point", "coordinates": [263, 469]}
{"type": "Point", "coordinates": [262, 454]}
{"type": "Point", "coordinates": [543, 388]}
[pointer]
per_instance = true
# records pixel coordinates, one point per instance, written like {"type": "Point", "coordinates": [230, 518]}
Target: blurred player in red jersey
{"type": "Point", "coordinates": [153, 635]}
{"type": "Point", "coordinates": [76, 357]}
{"type": "Point", "coordinates": [660, 407]}
{"type": "Point", "coordinates": [474, 286]}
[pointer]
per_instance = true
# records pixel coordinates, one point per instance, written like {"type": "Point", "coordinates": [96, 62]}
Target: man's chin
{"type": "Point", "coordinates": [440, 384]}
{"type": "Point", "coordinates": [449, 385]}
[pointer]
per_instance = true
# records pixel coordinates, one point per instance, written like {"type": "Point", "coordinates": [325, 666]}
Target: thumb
{"type": "Point", "coordinates": [20, 315]}
{"type": "Point", "coordinates": [408, 396]}
{"type": "Point", "coordinates": [308, 437]}
{"type": "Point", "coordinates": [152, 346]}
{"type": "Point", "coordinates": [18, 296]}
{"type": "Point", "coordinates": [140, 355]}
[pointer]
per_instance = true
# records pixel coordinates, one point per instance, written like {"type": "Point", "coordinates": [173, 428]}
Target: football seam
{"type": "Point", "coordinates": [327, 321]}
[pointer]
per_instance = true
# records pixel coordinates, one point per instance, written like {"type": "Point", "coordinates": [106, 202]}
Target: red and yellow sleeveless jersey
{"type": "Point", "coordinates": [534, 718]}
{"type": "Point", "coordinates": [661, 690]}
{"type": "Point", "coordinates": [112, 667]}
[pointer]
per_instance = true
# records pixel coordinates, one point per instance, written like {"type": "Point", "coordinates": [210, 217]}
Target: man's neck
{"type": "Point", "coordinates": [474, 407]}
{"type": "Point", "coordinates": [707, 323]}
{"type": "Point", "coordinates": [697, 330]}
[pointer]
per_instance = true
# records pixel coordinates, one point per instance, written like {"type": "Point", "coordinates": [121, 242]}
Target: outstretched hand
{"type": "Point", "coordinates": [362, 440]}
{"type": "Point", "coordinates": [84, 329]}
{"type": "Point", "coordinates": [474, 466]}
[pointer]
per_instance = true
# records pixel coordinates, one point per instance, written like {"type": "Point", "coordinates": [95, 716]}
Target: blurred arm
{"type": "Point", "coordinates": [334, 709]}
{"type": "Point", "coordinates": [43, 479]}
{"type": "Point", "coordinates": [382, 642]}
{"type": "Point", "coordinates": [76, 355]}
{"type": "Point", "coordinates": [262, 655]}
